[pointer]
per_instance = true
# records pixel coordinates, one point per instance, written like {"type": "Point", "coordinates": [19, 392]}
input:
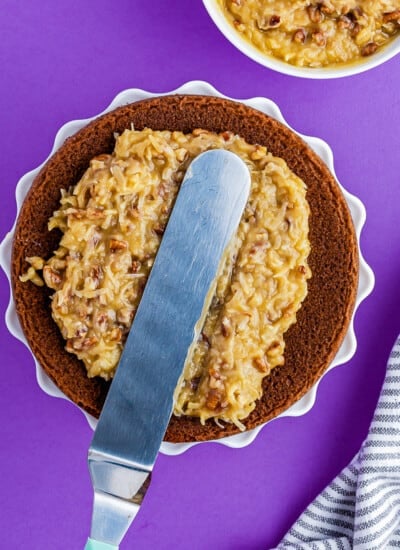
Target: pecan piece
{"type": "Point", "coordinates": [226, 135]}
{"type": "Point", "coordinates": [159, 229]}
{"type": "Point", "coordinates": [391, 16]}
{"type": "Point", "coordinates": [345, 22]}
{"type": "Point", "coordinates": [81, 331]}
{"type": "Point", "coordinates": [355, 14]}
{"type": "Point", "coordinates": [95, 213]}
{"type": "Point", "coordinates": [116, 335]}
{"type": "Point", "coordinates": [267, 22]}
{"type": "Point", "coordinates": [214, 399]}
{"type": "Point", "coordinates": [327, 7]}
{"type": "Point", "coordinates": [274, 20]}
{"type": "Point", "coordinates": [52, 278]}
{"type": "Point", "coordinates": [259, 245]}
{"type": "Point", "coordinates": [162, 191]}
{"type": "Point", "coordinates": [319, 38]}
{"type": "Point", "coordinates": [100, 321]}
{"type": "Point", "coordinates": [115, 245]}
{"type": "Point", "coordinates": [89, 342]}
{"type": "Point", "coordinates": [315, 14]}
{"type": "Point", "coordinates": [300, 36]}
{"type": "Point", "coordinates": [80, 344]}
{"type": "Point", "coordinates": [214, 374]}
{"type": "Point", "coordinates": [205, 339]}
{"type": "Point", "coordinates": [369, 49]}
{"type": "Point", "coordinates": [194, 383]}
{"type": "Point", "coordinates": [136, 265]}
{"type": "Point", "coordinates": [260, 364]}
{"type": "Point", "coordinates": [96, 274]}
{"type": "Point", "coordinates": [274, 349]}
{"type": "Point", "coordinates": [355, 29]}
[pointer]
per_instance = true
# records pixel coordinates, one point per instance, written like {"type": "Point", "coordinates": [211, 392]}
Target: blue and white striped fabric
{"type": "Point", "coordinates": [360, 509]}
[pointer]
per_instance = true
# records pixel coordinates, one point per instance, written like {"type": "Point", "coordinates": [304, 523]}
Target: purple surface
{"type": "Point", "coordinates": [68, 59]}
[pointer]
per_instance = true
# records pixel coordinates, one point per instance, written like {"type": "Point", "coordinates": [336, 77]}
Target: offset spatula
{"type": "Point", "coordinates": [167, 323]}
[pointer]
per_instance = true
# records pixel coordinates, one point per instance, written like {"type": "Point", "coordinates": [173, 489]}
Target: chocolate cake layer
{"type": "Point", "coordinates": [311, 343]}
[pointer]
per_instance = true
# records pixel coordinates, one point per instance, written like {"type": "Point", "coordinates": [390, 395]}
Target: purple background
{"type": "Point", "coordinates": [68, 59]}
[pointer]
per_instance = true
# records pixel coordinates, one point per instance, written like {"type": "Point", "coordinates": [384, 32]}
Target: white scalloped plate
{"type": "Point", "coordinates": [366, 276]}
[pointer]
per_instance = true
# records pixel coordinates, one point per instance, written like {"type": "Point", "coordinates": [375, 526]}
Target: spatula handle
{"type": "Point", "coordinates": [96, 545]}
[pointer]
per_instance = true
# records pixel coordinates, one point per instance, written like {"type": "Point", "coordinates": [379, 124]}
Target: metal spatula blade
{"type": "Point", "coordinates": [139, 404]}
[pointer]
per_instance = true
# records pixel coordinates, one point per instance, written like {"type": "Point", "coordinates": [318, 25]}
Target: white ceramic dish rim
{"type": "Point", "coordinates": [366, 276]}
{"type": "Point", "coordinates": [386, 53]}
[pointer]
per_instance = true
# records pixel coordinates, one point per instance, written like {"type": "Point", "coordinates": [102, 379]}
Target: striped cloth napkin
{"type": "Point", "coordinates": [360, 509]}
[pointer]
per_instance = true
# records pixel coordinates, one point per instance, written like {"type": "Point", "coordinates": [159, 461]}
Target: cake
{"type": "Point", "coordinates": [310, 343]}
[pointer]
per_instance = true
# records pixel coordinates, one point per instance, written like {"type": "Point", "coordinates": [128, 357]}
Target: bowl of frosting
{"type": "Point", "coordinates": [326, 39]}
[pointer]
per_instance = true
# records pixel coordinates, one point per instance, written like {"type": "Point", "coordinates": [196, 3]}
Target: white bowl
{"type": "Point", "coordinates": [384, 54]}
{"type": "Point", "coordinates": [366, 277]}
